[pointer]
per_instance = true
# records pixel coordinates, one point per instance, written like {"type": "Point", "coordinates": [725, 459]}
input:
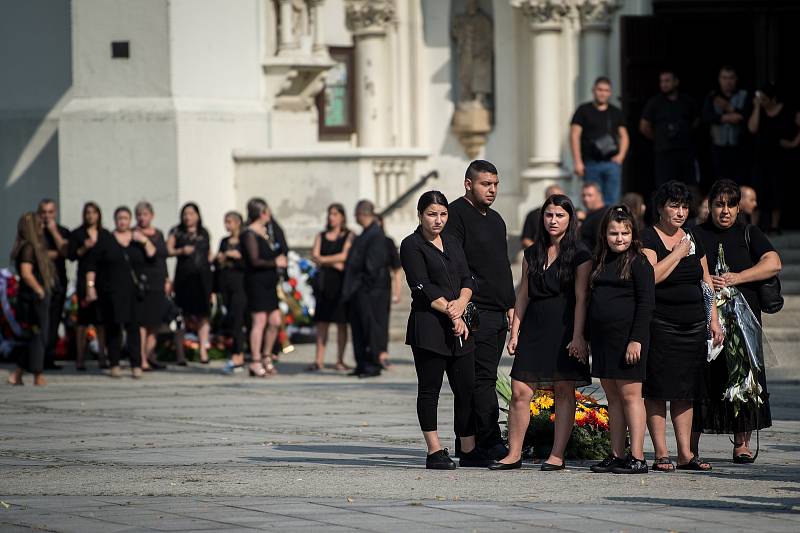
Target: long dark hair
{"type": "Point", "coordinates": [567, 247]}
{"type": "Point", "coordinates": [96, 207]}
{"type": "Point", "coordinates": [339, 208]}
{"type": "Point", "coordinates": [621, 214]}
{"type": "Point", "coordinates": [201, 230]}
{"type": "Point", "coordinates": [28, 232]}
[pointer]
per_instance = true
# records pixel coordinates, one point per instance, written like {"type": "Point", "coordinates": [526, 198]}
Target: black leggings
{"type": "Point", "coordinates": [114, 343]}
{"type": "Point", "coordinates": [235, 300]}
{"type": "Point", "coordinates": [431, 368]}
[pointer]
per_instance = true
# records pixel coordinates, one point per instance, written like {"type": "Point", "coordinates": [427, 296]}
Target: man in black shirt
{"type": "Point", "coordinates": [599, 141]}
{"type": "Point", "coordinates": [366, 289]}
{"type": "Point", "coordinates": [668, 120]}
{"type": "Point", "coordinates": [592, 200]}
{"type": "Point", "coordinates": [56, 240]}
{"type": "Point", "coordinates": [482, 233]}
{"type": "Point", "coordinates": [531, 224]}
{"type": "Point", "coordinates": [724, 111]}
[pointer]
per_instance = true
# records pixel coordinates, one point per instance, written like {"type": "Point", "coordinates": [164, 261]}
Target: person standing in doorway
{"type": "Point", "coordinates": [56, 241]}
{"type": "Point", "coordinates": [481, 232]}
{"type": "Point", "coordinates": [725, 111]}
{"type": "Point", "coordinates": [599, 141]}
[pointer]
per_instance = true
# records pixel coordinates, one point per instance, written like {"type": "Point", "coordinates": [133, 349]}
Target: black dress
{"type": "Point", "coordinates": [547, 327]}
{"type": "Point", "coordinates": [715, 415]}
{"type": "Point", "coordinates": [677, 355]}
{"type": "Point", "coordinates": [620, 313]}
{"type": "Point", "coordinates": [328, 287]}
{"type": "Point", "coordinates": [115, 266]}
{"type": "Point", "coordinates": [88, 313]}
{"type": "Point", "coordinates": [152, 306]}
{"type": "Point", "coordinates": [30, 310]}
{"type": "Point", "coordinates": [261, 275]}
{"type": "Point", "coordinates": [193, 278]}
{"type": "Point", "coordinates": [230, 286]}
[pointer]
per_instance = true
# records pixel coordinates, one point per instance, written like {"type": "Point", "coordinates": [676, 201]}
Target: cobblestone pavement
{"type": "Point", "coordinates": [191, 449]}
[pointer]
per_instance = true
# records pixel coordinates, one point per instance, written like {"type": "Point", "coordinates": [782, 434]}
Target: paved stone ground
{"type": "Point", "coordinates": [191, 449]}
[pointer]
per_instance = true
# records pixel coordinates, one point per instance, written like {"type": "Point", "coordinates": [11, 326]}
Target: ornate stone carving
{"type": "Point", "coordinates": [369, 16]}
{"type": "Point", "coordinates": [545, 11]}
{"type": "Point", "coordinates": [474, 38]}
{"type": "Point", "coordinates": [598, 13]}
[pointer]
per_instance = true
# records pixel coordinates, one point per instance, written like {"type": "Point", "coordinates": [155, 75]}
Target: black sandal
{"type": "Point", "coordinates": [746, 458]}
{"type": "Point", "coordinates": [660, 464]}
{"type": "Point", "coordinates": [695, 464]}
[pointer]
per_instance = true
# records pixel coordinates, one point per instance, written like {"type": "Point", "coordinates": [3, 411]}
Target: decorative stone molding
{"type": "Point", "coordinates": [295, 83]}
{"type": "Point", "coordinates": [391, 178]}
{"type": "Point", "coordinates": [369, 16]}
{"type": "Point", "coordinates": [597, 14]}
{"type": "Point", "coordinates": [471, 124]}
{"type": "Point", "coordinates": [545, 12]}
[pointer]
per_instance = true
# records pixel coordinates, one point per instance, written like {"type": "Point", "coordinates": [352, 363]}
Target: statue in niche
{"type": "Point", "coordinates": [474, 38]}
{"type": "Point", "coordinates": [299, 18]}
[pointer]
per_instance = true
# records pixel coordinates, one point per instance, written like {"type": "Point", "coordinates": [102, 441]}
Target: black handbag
{"type": "Point", "coordinates": [139, 280]}
{"type": "Point", "coordinates": [471, 317]}
{"type": "Point", "coordinates": [769, 290]}
{"type": "Point", "coordinates": [605, 146]}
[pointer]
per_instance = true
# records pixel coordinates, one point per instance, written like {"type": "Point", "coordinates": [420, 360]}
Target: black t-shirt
{"type": "Point", "coordinates": [61, 261]}
{"type": "Point", "coordinates": [679, 297]}
{"type": "Point", "coordinates": [483, 238]}
{"type": "Point", "coordinates": [591, 227]}
{"type": "Point", "coordinates": [531, 225]}
{"type": "Point", "coordinates": [770, 132]}
{"type": "Point", "coordinates": [594, 124]}
{"type": "Point", "coordinates": [672, 121]}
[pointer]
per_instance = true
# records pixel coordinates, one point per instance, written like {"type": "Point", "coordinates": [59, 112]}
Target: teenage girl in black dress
{"type": "Point", "coordinates": [622, 301]}
{"type": "Point", "coordinates": [330, 253]}
{"type": "Point", "coordinates": [230, 286]}
{"type": "Point", "coordinates": [151, 307]}
{"type": "Point", "coordinates": [547, 334]}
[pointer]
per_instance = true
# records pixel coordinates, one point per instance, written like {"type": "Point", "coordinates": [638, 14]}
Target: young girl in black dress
{"type": "Point", "coordinates": [230, 287]}
{"type": "Point", "coordinates": [547, 334]}
{"type": "Point", "coordinates": [623, 297]}
{"type": "Point", "coordinates": [330, 253]}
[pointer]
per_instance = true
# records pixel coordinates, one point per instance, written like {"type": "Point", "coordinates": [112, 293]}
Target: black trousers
{"type": "Point", "coordinates": [383, 332]}
{"type": "Point", "coordinates": [235, 300]}
{"type": "Point", "coordinates": [133, 343]}
{"type": "Point", "coordinates": [490, 339]}
{"type": "Point", "coordinates": [56, 313]}
{"type": "Point", "coordinates": [33, 358]}
{"type": "Point", "coordinates": [367, 311]}
{"type": "Point", "coordinates": [460, 370]}
{"type": "Point", "coordinates": [675, 165]}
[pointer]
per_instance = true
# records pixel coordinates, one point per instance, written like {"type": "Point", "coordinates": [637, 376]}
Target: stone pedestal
{"type": "Point", "coordinates": [471, 124]}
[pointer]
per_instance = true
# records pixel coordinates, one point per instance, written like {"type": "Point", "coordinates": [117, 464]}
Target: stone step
{"type": "Point", "coordinates": [790, 271]}
{"type": "Point", "coordinates": [786, 241]}
{"type": "Point", "coordinates": [790, 255]}
{"type": "Point", "coordinates": [790, 286]}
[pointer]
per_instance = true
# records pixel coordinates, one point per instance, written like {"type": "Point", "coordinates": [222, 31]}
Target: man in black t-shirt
{"type": "Point", "coordinates": [668, 120]}
{"type": "Point", "coordinates": [725, 111]}
{"type": "Point", "coordinates": [56, 240]}
{"type": "Point", "coordinates": [599, 141]}
{"type": "Point", "coordinates": [531, 225]}
{"type": "Point", "coordinates": [595, 210]}
{"type": "Point", "coordinates": [482, 233]}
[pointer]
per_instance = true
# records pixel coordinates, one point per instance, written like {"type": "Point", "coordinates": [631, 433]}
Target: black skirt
{"type": "Point", "coordinates": [608, 356]}
{"type": "Point", "coordinates": [328, 296]}
{"type": "Point", "coordinates": [676, 361]}
{"type": "Point", "coordinates": [262, 291]}
{"type": "Point", "coordinates": [151, 309]}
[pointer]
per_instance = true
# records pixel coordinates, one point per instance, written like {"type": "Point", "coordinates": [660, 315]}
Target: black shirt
{"type": "Point", "coordinates": [672, 121]}
{"type": "Point", "coordinates": [679, 297]}
{"type": "Point", "coordinates": [61, 261]}
{"type": "Point", "coordinates": [392, 257]}
{"type": "Point", "coordinates": [531, 225]}
{"type": "Point", "coordinates": [770, 132]}
{"type": "Point", "coordinates": [434, 274]}
{"type": "Point", "coordinates": [594, 124]}
{"type": "Point", "coordinates": [365, 268]}
{"type": "Point", "coordinates": [483, 238]}
{"type": "Point", "coordinates": [591, 227]}
{"type": "Point", "coordinates": [225, 245]}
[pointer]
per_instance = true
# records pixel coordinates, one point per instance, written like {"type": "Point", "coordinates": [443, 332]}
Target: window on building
{"type": "Point", "coordinates": [120, 49]}
{"type": "Point", "coordinates": [336, 102]}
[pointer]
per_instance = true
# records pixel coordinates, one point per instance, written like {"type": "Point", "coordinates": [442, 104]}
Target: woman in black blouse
{"type": "Point", "coordinates": [748, 265]}
{"type": "Point", "coordinates": [622, 301]}
{"type": "Point", "coordinates": [114, 278]}
{"type": "Point", "coordinates": [678, 330]}
{"type": "Point", "coordinates": [547, 333]}
{"type": "Point", "coordinates": [152, 306]}
{"type": "Point", "coordinates": [441, 287]}
{"type": "Point", "coordinates": [37, 278]}
{"type": "Point", "coordinates": [230, 286]}
{"type": "Point", "coordinates": [265, 248]}
{"type": "Point", "coordinates": [81, 242]}
{"type": "Point", "coordinates": [190, 242]}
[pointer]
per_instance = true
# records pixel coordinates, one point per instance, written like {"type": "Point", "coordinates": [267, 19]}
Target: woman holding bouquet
{"type": "Point", "coordinates": [547, 334]}
{"type": "Point", "coordinates": [744, 266]}
{"type": "Point", "coordinates": [678, 330]}
{"type": "Point", "coordinates": [441, 288]}
{"type": "Point", "coordinates": [623, 297]}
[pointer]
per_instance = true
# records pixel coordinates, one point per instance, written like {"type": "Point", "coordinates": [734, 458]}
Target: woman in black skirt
{"type": "Point", "coordinates": [678, 331]}
{"type": "Point", "coordinates": [330, 253]}
{"type": "Point", "coordinates": [749, 264]}
{"type": "Point", "coordinates": [230, 287]}
{"type": "Point", "coordinates": [114, 279]}
{"type": "Point", "coordinates": [37, 278]}
{"type": "Point", "coordinates": [264, 248]}
{"type": "Point", "coordinates": [190, 242]}
{"type": "Point", "coordinates": [441, 287]}
{"type": "Point", "coordinates": [152, 306]}
{"type": "Point", "coordinates": [81, 242]}
{"type": "Point", "coordinates": [622, 301]}
{"type": "Point", "coordinates": [547, 334]}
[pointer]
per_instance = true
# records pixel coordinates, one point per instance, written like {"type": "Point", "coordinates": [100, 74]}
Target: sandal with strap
{"type": "Point", "coordinates": [313, 367]}
{"type": "Point", "coordinates": [663, 464]}
{"type": "Point", "coordinates": [258, 372]}
{"type": "Point", "coordinates": [270, 369]}
{"type": "Point", "coordinates": [745, 458]}
{"type": "Point", "coordinates": [695, 464]}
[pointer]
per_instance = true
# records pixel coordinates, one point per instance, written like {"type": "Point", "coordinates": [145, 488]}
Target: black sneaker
{"type": "Point", "coordinates": [631, 466]}
{"type": "Point", "coordinates": [606, 465]}
{"type": "Point", "coordinates": [474, 459]}
{"type": "Point", "coordinates": [439, 461]}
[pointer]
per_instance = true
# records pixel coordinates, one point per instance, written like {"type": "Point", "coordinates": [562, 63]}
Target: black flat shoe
{"type": "Point", "coordinates": [497, 465]}
{"type": "Point", "coordinates": [547, 467]}
{"type": "Point", "coordinates": [156, 366]}
{"type": "Point", "coordinates": [474, 459]}
{"type": "Point", "coordinates": [439, 461]}
{"type": "Point", "coordinates": [743, 459]}
{"type": "Point", "coordinates": [631, 466]}
{"type": "Point", "coordinates": [606, 465]}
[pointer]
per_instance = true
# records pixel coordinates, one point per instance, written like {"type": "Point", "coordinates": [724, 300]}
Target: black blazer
{"type": "Point", "coordinates": [366, 265]}
{"type": "Point", "coordinates": [432, 274]}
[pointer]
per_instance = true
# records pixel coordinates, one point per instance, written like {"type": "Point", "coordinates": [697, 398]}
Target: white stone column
{"type": "Point", "coordinates": [595, 16]}
{"type": "Point", "coordinates": [369, 21]}
{"type": "Point", "coordinates": [318, 47]}
{"type": "Point", "coordinates": [286, 42]}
